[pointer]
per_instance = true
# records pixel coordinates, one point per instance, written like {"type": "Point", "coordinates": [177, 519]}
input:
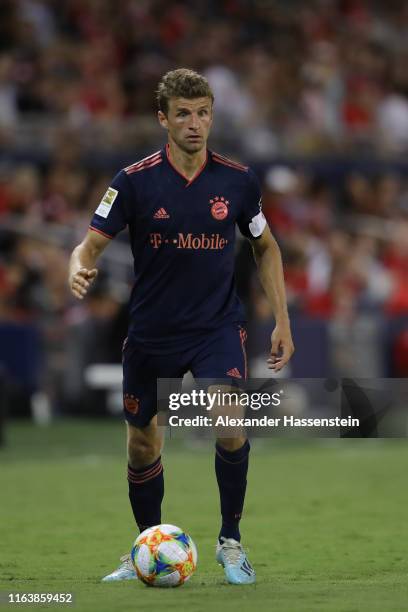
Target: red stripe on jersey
{"type": "Point", "coordinates": [141, 161]}
{"type": "Point", "coordinates": [148, 159]}
{"type": "Point", "coordinates": [228, 162]}
{"type": "Point", "coordinates": [219, 161]}
{"type": "Point", "coordinates": [135, 167]}
{"type": "Point", "coordinates": [243, 338]}
{"type": "Point", "coordinates": [98, 231]}
{"type": "Point", "coordinates": [144, 166]}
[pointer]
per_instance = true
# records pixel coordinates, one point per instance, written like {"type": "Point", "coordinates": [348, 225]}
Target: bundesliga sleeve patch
{"type": "Point", "coordinates": [106, 203]}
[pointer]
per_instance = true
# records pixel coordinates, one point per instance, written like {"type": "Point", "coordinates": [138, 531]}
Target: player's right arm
{"type": "Point", "coordinates": [109, 219]}
{"type": "Point", "coordinates": [82, 270]}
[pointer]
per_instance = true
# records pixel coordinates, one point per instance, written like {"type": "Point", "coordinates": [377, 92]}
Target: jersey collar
{"type": "Point", "coordinates": [187, 180]}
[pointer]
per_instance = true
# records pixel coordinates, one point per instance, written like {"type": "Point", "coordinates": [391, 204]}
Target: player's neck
{"type": "Point", "coordinates": [187, 164]}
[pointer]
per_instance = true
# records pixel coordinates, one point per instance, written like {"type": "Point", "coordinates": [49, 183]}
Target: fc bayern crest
{"type": "Point", "coordinates": [131, 403]}
{"type": "Point", "coordinates": [219, 208]}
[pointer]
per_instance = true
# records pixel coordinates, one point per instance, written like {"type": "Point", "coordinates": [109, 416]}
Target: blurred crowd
{"type": "Point", "coordinates": [299, 75]}
{"type": "Point", "coordinates": [295, 80]}
{"type": "Point", "coordinates": [345, 251]}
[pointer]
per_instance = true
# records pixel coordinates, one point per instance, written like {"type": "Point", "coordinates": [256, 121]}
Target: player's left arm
{"type": "Point", "coordinates": [270, 270]}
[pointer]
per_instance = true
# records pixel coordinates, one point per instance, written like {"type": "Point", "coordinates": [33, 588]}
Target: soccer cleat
{"type": "Point", "coordinates": [125, 571]}
{"type": "Point", "coordinates": [233, 559]}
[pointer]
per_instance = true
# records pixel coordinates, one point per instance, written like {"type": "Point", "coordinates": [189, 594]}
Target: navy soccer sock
{"type": "Point", "coordinates": [146, 491]}
{"type": "Point", "coordinates": [231, 468]}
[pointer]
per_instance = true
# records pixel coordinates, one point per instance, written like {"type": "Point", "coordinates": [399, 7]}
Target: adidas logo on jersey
{"type": "Point", "coordinates": [161, 214]}
{"type": "Point", "coordinates": [234, 372]}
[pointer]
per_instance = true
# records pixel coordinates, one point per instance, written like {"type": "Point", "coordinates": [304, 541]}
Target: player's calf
{"type": "Point", "coordinates": [145, 474]}
{"type": "Point", "coordinates": [143, 444]}
{"type": "Point", "coordinates": [231, 468]}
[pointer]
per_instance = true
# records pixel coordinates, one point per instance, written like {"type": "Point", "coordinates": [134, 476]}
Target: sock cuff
{"type": "Point", "coordinates": [236, 456]}
{"type": "Point", "coordinates": [145, 473]}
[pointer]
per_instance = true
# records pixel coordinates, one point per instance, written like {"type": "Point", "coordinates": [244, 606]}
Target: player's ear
{"type": "Point", "coordinates": [162, 119]}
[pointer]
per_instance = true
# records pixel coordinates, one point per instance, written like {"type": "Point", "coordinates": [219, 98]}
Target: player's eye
{"type": "Point", "coordinates": [182, 114]}
{"type": "Point", "coordinates": [203, 112]}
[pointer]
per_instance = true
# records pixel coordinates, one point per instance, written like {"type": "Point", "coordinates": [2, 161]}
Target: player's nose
{"type": "Point", "coordinates": [194, 122]}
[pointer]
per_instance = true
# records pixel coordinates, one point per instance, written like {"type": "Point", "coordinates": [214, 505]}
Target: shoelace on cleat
{"type": "Point", "coordinates": [126, 561]}
{"type": "Point", "coordinates": [232, 550]}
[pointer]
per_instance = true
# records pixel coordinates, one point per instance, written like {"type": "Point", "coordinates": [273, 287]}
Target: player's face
{"type": "Point", "coordinates": [188, 122]}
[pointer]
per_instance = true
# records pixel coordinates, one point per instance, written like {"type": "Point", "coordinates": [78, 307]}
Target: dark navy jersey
{"type": "Point", "coordinates": [182, 235]}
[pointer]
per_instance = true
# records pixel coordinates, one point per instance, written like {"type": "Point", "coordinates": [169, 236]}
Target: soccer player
{"type": "Point", "coordinates": [181, 205]}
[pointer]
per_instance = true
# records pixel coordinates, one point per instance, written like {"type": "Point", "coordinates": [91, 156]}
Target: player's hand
{"type": "Point", "coordinates": [282, 347]}
{"type": "Point", "coordinates": [81, 281]}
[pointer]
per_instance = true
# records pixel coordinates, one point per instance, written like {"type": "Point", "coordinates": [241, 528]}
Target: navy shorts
{"type": "Point", "coordinates": [220, 355]}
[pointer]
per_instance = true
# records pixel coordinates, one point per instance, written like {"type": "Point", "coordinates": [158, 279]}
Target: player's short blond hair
{"type": "Point", "coordinates": [182, 83]}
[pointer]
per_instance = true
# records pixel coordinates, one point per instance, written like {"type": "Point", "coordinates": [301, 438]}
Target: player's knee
{"type": "Point", "coordinates": [142, 452]}
{"type": "Point", "coordinates": [231, 444]}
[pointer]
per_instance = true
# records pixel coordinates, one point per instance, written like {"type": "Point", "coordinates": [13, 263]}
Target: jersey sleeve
{"type": "Point", "coordinates": [111, 216]}
{"type": "Point", "coordinates": [251, 221]}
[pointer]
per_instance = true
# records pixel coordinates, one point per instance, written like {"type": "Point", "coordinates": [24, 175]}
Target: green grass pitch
{"type": "Point", "coordinates": [325, 522]}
